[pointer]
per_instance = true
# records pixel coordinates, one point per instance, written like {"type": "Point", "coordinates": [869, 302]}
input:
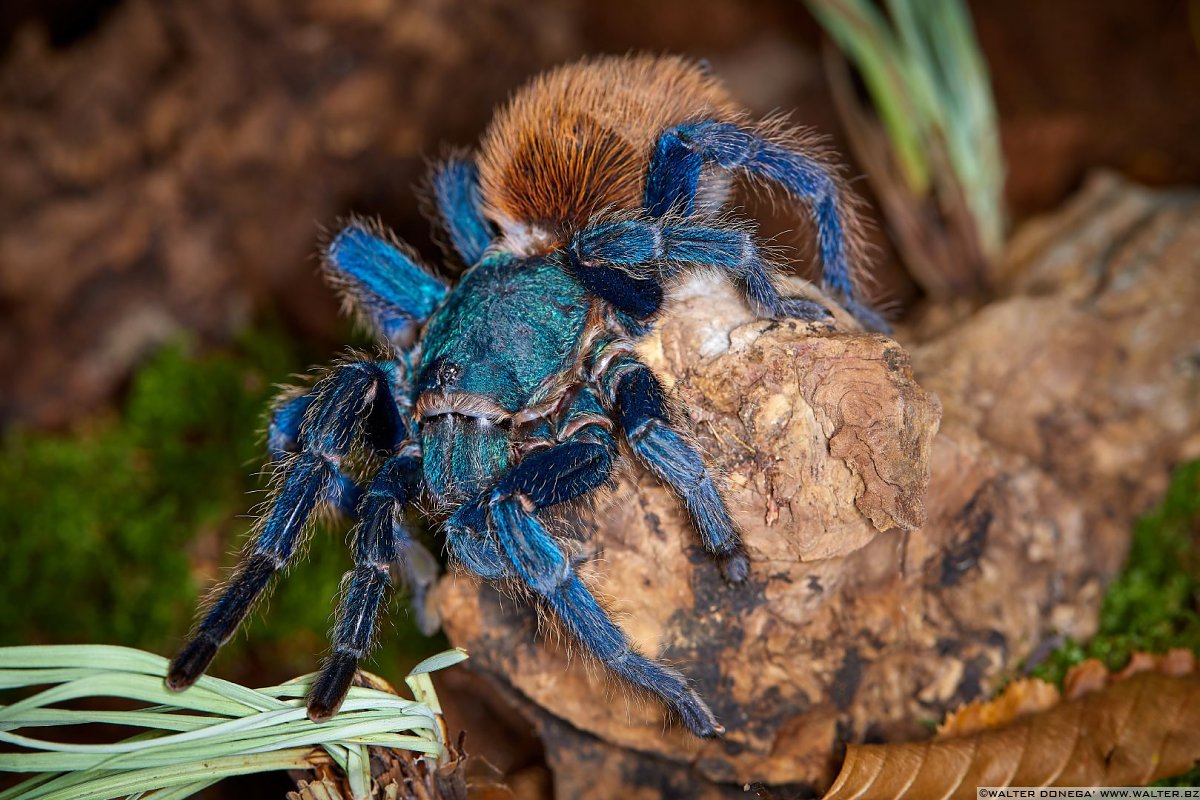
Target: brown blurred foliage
{"type": "Point", "coordinates": [169, 165]}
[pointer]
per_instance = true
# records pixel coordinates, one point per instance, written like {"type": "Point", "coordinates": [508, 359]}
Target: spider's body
{"type": "Point", "coordinates": [506, 396]}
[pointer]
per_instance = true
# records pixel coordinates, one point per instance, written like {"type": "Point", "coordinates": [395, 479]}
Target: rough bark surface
{"type": "Point", "coordinates": [895, 573]}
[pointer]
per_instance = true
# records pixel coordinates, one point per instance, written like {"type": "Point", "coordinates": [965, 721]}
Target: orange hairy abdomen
{"type": "Point", "coordinates": [578, 140]}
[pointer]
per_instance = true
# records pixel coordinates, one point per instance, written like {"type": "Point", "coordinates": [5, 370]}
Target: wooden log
{"type": "Point", "coordinates": [895, 574]}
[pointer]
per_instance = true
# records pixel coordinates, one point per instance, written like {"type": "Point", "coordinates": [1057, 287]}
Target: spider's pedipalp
{"type": "Point", "coordinates": [677, 168]}
{"type": "Point", "coordinates": [542, 479]}
{"type": "Point", "coordinates": [470, 543]}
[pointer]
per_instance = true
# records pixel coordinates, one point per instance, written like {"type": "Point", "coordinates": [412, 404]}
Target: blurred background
{"type": "Point", "coordinates": [168, 168]}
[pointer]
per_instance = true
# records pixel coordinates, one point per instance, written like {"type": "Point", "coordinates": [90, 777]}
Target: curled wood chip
{"type": "Point", "coordinates": [1031, 695]}
{"type": "Point", "coordinates": [1026, 696]}
{"type": "Point", "coordinates": [1137, 729]}
{"type": "Point", "coordinates": [1092, 675]}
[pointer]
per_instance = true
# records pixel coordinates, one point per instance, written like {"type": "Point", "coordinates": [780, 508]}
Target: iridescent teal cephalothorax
{"type": "Point", "coordinates": [495, 341]}
{"type": "Point", "coordinates": [510, 324]}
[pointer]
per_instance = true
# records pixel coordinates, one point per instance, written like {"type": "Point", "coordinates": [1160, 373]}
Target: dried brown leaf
{"type": "Point", "coordinates": [1090, 676]}
{"type": "Point", "coordinates": [1135, 730]}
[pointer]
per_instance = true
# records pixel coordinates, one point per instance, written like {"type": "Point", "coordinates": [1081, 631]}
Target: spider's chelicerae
{"type": "Point", "coordinates": [597, 186]}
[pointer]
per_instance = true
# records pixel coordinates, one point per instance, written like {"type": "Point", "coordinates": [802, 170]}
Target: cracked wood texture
{"type": "Point", "coordinates": [896, 573]}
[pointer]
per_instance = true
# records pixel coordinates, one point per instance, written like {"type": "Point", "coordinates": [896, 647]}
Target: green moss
{"type": "Point", "coordinates": [1189, 778]}
{"type": "Point", "coordinates": [112, 532]}
{"type": "Point", "coordinates": [1154, 604]}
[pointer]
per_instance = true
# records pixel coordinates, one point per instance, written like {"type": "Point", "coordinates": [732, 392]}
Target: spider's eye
{"type": "Point", "coordinates": [440, 374]}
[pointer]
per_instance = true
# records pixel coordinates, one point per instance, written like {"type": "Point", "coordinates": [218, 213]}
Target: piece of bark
{"type": "Point", "coordinates": [824, 440]}
{"type": "Point", "coordinates": [1065, 404]}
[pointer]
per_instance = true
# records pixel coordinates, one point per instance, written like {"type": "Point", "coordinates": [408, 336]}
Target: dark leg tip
{"type": "Point", "coordinates": [870, 319]}
{"type": "Point", "coordinates": [802, 308]}
{"type": "Point", "coordinates": [190, 664]}
{"type": "Point", "coordinates": [697, 717]}
{"type": "Point", "coordinates": [735, 567]}
{"type": "Point", "coordinates": [331, 686]}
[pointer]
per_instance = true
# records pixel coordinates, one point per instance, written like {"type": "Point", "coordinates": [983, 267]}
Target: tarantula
{"type": "Point", "coordinates": [598, 185]}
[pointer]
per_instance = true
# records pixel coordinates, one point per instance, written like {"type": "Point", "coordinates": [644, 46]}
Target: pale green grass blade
{"type": "Point", "coordinates": [178, 792]}
{"type": "Point", "coordinates": [41, 717]}
{"type": "Point", "coordinates": [224, 740]}
{"type": "Point", "coordinates": [20, 678]}
{"type": "Point", "coordinates": [358, 771]}
{"type": "Point", "coordinates": [227, 729]}
{"type": "Point", "coordinates": [440, 661]}
{"type": "Point", "coordinates": [23, 789]}
{"type": "Point", "coordinates": [106, 659]}
{"type": "Point", "coordinates": [95, 656]}
{"type": "Point", "coordinates": [929, 85]}
{"type": "Point", "coordinates": [864, 36]}
{"type": "Point", "coordinates": [123, 783]}
{"type": "Point", "coordinates": [133, 687]}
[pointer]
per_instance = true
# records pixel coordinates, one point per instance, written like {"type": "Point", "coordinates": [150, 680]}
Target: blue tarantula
{"type": "Point", "coordinates": [595, 188]}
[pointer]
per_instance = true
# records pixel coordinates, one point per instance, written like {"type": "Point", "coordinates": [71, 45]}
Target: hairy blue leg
{"type": "Point", "coordinates": [283, 439]}
{"type": "Point", "coordinates": [541, 564]}
{"type": "Point", "coordinates": [544, 567]}
{"type": "Point", "coordinates": [384, 279]}
{"type": "Point", "coordinates": [543, 479]}
{"type": "Point", "coordinates": [641, 410]}
{"type": "Point", "coordinates": [382, 544]}
{"type": "Point", "coordinates": [325, 436]}
{"type": "Point", "coordinates": [456, 192]}
{"type": "Point", "coordinates": [682, 152]}
{"type": "Point", "coordinates": [623, 261]}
